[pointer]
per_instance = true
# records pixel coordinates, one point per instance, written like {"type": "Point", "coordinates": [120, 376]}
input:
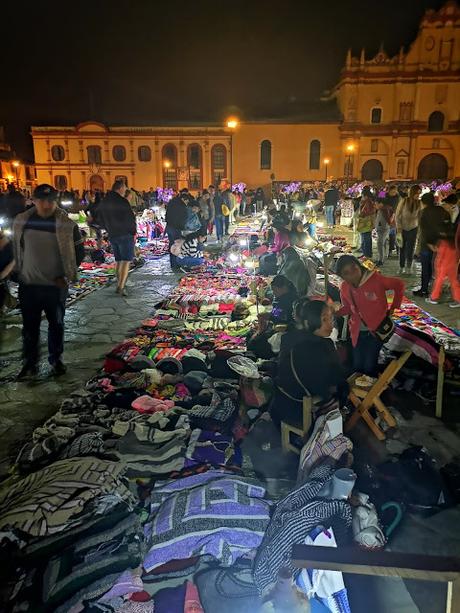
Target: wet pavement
{"type": "Point", "coordinates": [94, 325]}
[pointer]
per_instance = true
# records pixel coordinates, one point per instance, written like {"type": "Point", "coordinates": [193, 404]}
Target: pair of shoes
{"type": "Point", "coordinates": [402, 271]}
{"type": "Point", "coordinates": [27, 371]}
{"type": "Point", "coordinates": [431, 301]}
{"type": "Point", "coordinates": [454, 305]}
{"type": "Point", "coordinates": [58, 368]}
{"type": "Point", "coordinates": [418, 292]}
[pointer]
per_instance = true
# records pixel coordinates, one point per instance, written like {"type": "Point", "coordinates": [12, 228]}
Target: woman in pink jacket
{"type": "Point", "coordinates": [364, 299]}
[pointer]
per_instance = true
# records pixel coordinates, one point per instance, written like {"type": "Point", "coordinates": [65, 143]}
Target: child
{"type": "Point", "coordinates": [446, 266]}
{"type": "Point", "coordinates": [191, 250]}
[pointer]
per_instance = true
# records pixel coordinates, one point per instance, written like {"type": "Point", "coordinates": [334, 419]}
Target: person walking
{"type": "Point", "coordinates": [205, 210]}
{"type": "Point", "coordinates": [365, 222]}
{"type": "Point", "coordinates": [446, 267]}
{"type": "Point", "coordinates": [364, 299]}
{"type": "Point", "coordinates": [406, 218]}
{"type": "Point", "coordinates": [434, 224]}
{"type": "Point", "coordinates": [392, 198]}
{"type": "Point", "coordinates": [176, 218]}
{"type": "Point", "coordinates": [383, 222]}
{"type": "Point", "coordinates": [331, 201]}
{"type": "Point", "coordinates": [48, 248]}
{"type": "Point", "coordinates": [117, 217]}
{"type": "Point", "coordinates": [222, 208]}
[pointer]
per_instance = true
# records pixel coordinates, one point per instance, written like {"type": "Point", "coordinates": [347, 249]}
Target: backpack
{"type": "Point", "coordinates": [225, 210]}
{"type": "Point", "coordinates": [193, 223]}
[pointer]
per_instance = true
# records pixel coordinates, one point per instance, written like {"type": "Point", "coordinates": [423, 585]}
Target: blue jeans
{"type": "Point", "coordinates": [366, 244]}
{"type": "Point", "coordinates": [188, 262]}
{"type": "Point", "coordinates": [219, 221]}
{"type": "Point", "coordinates": [311, 229]}
{"type": "Point", "coordinates": [330, 219]}
{"type": "Point", "coordinates": [366, 354]}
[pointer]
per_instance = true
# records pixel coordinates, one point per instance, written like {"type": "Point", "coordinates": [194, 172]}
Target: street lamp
{"type": "Point", "coordinates": [15, 163]}
{"type": "Point", "coordinates": [232, 124]}
{"type": "Point", "coordinates": [167, 164]}
{"type": "Point", "coordinates": [326, 164]}
{"type": "Point", "coordinates": [350, 150]}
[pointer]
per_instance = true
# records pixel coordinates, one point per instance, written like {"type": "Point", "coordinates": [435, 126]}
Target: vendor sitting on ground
{"type": "Point", "coordinates": [292, 267]}
{"type": "Point", "coordinates": [191, 250]}
{"type": "Point", "coordinates": [284, 297]}
{"type": "Point", "coordinates": [311, 367]}
{"type": "Point", "coordinates": [298, 236]}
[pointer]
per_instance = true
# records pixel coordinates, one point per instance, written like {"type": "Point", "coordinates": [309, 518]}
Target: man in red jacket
{"type": "Point", "coordinates": [364, 299]}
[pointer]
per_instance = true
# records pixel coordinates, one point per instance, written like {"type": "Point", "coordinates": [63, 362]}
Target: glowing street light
{"type": "Point", "coordinates": [350, 149]}
{"type": "Point", "coordinates": [167, 164]}
{"type": "Point", "coordinates": [232, 124]}
{"type": "Point", "coordinates": [16, 165]}
{"type": "Point", "coordinates": [326, 164]}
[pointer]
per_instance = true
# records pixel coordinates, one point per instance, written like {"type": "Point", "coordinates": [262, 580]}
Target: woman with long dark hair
{"type": "Point", "coordinates": [310, 367]}
{"type": "Point", "coordinates": [407, 218]}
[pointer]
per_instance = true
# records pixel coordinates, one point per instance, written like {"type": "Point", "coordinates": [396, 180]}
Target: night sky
{"type": "Point", "coordinates": [153, 61]}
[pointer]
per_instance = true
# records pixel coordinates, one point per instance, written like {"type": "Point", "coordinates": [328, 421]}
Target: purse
{"type": "Point", "coordinates": [365, 224]}
{"type": "Point", "coordinates": [385, 328]}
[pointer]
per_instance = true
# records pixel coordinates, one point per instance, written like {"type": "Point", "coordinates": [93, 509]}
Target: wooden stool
{"type": "Point", "coordinates": [364, 399]}
{"type": "Point", "coordinates": [300, 429]}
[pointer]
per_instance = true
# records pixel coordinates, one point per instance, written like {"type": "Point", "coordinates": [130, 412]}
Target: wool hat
{"type": "Point", "coordinates": [170, 366]}
{"type": "Point", "coordinates": [194, 380]}
{"type": "Point", "coordinates": [45, 192]}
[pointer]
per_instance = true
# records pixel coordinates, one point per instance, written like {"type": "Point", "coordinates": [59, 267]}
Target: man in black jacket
{"type": "Point", "coordinates": [116, 216]}
{"type": "Point", "coordinates": [176, 218]}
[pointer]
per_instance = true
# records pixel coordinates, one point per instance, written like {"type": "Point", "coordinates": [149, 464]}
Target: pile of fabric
{"type": "Point", "coordinates": [135, 497]}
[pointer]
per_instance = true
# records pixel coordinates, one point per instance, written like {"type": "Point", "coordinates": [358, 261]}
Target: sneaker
{"type": "Point", "coordinates": [454, 305]}
{"type": "Point", "coordinates": [402, 271]}
{"type": "Point", "coordinates": [123, 292]}
{"type": "Point", "coordinates": [58, 368]}
{"type": "Point", "coordinates": [418, 292]}
{"type": "Point", "coordinates": [27, 371]}
{"type": "Point", "coordinates": [431, 301]}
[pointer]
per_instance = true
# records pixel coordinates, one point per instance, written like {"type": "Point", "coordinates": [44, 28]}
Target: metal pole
{"type": "Point", "coordinates": [325, 178]}
{"type": "Point", "coordinates": [231, 159]}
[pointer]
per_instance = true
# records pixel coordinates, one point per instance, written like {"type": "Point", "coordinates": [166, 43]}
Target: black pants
{"type": "Point", "coordinates": [33, 301]}
{"type": "Point", "coordinates": [426, 260]}
{"type": "Point", "coordinates": [406, 253]}
{"type": "Point", "coordinates": [366, 354]}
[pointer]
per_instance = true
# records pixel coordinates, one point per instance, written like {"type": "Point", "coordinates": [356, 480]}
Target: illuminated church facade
{"type": "Point", "coordinates": [395, 118]}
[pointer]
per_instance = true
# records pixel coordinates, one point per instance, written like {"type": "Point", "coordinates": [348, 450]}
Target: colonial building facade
{"type": "Point", "coordinates": [399, 120]}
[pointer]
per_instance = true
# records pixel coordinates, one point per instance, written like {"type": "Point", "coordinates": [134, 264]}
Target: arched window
{"type": "Point", "coordinates": [194, 161]}
{"type": "Point", "coordinates": [432, 167]}
{"type": "Point", "coordinates": [372, 170]}
{"type": "Point", "coordinates": [57, 153]}
{"type": "Point", "coordinates": [94, 153]}
{"type": "Point", "coordinates": [218, 163]}
{"type": "Point", "coordinates": [169, 160]}
{"type": "Point", "coordinates": [60, 182]}
{"type": "Point", "coordinates": [436, 122]}
{"type": "Point", "coordinates": [265, 155]}
{"type": "Point", "coordinates": [376, 115]}
{"type": "Point", "coordinates": [119, 153]}
{"type": "Point", "coordinates": [315, 154]}
{"type": "Point", "coordinates": [144, 153]}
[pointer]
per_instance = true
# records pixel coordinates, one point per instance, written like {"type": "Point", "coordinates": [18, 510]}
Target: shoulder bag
{"type": "Point", "coordinates": [385, 328]}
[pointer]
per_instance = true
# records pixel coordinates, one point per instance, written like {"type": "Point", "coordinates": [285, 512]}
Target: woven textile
{"type": "Point", "coordinates": [54, 498]}
{"type": "Point", "coordinates": [294, 518]}
{"type": "Point", "coordinates": [213, 513]}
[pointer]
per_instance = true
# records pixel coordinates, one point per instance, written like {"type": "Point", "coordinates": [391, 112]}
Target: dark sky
{"type": "Point", "coordinates": [148, 61]}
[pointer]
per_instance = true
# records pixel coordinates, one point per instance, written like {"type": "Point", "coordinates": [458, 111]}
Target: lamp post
{"type": "Point", "coordinates": [350, 149]}
{"type": "Point", "coordinates": [166, 164]}
{"type": "Point", "coordinates": [326, 164]}
{"type": "Point", "coordinates": [232, 124]}
{"type": "Point", "coordinates": [15, 163]}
